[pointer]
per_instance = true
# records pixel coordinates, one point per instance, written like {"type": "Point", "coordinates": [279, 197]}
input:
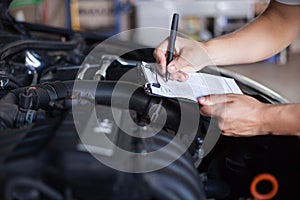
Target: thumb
{"type": "Point", "coordinates": [177, 64]}
{"type": "Point", "coordinates": [205, 101]}
{"type": "Point", "coordinates": [213, 99]}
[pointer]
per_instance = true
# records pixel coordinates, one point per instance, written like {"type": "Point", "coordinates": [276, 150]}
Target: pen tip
{"type": "Point", "coordinates": [167, 76]}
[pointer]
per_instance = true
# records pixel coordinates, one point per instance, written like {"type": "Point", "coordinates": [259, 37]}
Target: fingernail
{"type": "Point", "coordinates": [180, 78]}
{"type": "Point", "coordinates": [172, 68]}
{"type": "Point", "coordinates": [202, 100]}
{"type": "Point", "coordinates": [186, 77]}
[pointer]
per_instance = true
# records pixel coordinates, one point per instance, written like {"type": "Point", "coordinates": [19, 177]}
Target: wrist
{"type": "Point", "coordinates": [267, 119]}
{"type": "Point", "coordinates": [281, 119]}
{"type": "Point", "coordinates": [211, 48]}
{"type": "Point", "coordinates": [208, 48]}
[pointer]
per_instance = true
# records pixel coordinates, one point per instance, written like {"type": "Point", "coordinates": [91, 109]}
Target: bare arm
{"type": "Point", "coordinates": [265, 36]}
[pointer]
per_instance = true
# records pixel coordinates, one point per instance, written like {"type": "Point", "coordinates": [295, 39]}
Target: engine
{"type": "Point", "coordinates": [65, 122]}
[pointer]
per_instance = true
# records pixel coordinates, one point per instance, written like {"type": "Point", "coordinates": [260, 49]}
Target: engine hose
{"type": "Point", "coordinates": [181, 173]}
{"type": "Point", "coordinates": [139, 100]}
{"type": "Point", "coordinates": [12, 117]}
{"type": "Point", "coordinates": [102, 93]}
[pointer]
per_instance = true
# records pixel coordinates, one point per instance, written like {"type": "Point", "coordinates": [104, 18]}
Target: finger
{"type": "Point", "coordinates": [217, 110]}
{"type": "Point", "coordinates": [160, 53]}
{"type": "Point", "coordinates": [160, 57]}
{"type": "Point", "coordinates": [188, 69]}
{"type": "Point", "coordinates": [179, 76]}
{"type": "Point", "coordinates": [205, 110]}
{"type": "Point", "coordinates": [214, 111]}
{"type": "Point", "coordinates": [159, 68]}
{"type": "Point", "coordinates": [177, 64]}
{"type": "Point", "coordinates": [215, 99]}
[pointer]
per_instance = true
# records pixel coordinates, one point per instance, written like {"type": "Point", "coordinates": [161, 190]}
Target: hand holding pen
{"type": "Point", "coordinates": [166, 51]}
{"type": "Point", "coordinates": [186, 56]}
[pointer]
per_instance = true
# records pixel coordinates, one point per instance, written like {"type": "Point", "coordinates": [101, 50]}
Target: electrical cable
{"type": "Point", "coordinates": [22, 45]}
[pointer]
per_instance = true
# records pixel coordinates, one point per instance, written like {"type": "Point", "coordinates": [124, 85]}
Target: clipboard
{"type": "Point", "coordinates": [198, 84]}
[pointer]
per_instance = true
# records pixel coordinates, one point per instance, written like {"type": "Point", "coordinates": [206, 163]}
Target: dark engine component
{"type": "Point", "coordinates": [74, 173]}
{"type": "Point", "coordinates": [71, 169]}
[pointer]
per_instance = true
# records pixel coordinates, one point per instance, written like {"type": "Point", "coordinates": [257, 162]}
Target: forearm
{"type": "Point", "coordinates": [265, 36]}
{"type": "Point", "coordinates": [282, 119]}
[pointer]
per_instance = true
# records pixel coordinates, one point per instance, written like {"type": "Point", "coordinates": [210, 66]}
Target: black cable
{"type": "Point", "coordinates": [15, 80]}
{"type": "Point", "coordinates": [20, 45]}
{"type": "Point", "coordinates": [19, 27]}
{"type": "Point", "coordinates": [12, 85]}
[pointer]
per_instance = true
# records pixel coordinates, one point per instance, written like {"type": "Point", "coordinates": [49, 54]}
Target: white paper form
{"type": "Point", "coordinates": [198, 84]}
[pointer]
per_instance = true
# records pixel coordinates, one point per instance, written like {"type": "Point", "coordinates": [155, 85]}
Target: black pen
{"type": "Point", "coordinates": [172, 39]}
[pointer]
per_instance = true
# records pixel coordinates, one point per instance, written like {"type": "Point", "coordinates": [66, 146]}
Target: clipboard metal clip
{"type": "Point", "coordinates": [148, 87]}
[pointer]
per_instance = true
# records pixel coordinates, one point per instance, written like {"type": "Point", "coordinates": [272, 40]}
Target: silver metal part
{"type": "Point", "coordinates": [104, 64]}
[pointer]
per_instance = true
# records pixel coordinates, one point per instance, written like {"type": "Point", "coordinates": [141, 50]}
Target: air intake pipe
{"type": "Point", "coordinates": [24, 106]}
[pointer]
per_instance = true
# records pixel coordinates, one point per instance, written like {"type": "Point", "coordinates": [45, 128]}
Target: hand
{"type": "Point", "coordinates": [189, 56]}
{"type": "Point", "coordinates": [238, 115]}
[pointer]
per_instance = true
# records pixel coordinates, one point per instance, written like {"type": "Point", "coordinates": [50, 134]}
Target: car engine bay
{"type": "Point", "coordinates": [47, 82]}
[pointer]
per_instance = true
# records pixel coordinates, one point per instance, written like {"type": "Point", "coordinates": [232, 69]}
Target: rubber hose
{"type": "Point", "coordinates": [181, 173]}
